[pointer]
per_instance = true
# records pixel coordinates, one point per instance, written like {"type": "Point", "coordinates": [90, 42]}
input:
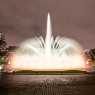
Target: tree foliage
{"type": "Point", "coordinates": [2, 61]}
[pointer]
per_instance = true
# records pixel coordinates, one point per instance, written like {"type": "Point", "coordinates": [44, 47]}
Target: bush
{"type": "Point", "coordinates": [2, 61]}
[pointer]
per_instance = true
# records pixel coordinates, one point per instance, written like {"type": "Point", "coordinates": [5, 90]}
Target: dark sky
{"type": "Point", "coordinates": [23, 19]}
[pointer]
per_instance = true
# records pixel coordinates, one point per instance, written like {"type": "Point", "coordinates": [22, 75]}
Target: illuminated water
{"type": "Point", "coordinates": [51, 54]}
{"type": "Point", "coordinates": [57, 54]}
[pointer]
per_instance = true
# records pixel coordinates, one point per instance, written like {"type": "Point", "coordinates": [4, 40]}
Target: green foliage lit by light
{"type": "Point", "coordinates": [2, 61]}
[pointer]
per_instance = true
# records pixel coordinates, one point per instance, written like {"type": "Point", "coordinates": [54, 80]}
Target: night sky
{"type": "Point", "coordinates": [23, 19]}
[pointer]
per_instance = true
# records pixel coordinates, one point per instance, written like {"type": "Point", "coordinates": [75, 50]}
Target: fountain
{"type": "Point", "coordinates": [51, 54]}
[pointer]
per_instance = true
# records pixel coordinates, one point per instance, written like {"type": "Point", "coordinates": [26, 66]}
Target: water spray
{"type": "Point", "coordinates": [37, 54]}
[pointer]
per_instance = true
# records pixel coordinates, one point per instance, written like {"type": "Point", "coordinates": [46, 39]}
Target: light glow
{"type": "Point", "coordinates": [37, 54]}
{"type": "Point", "coordinates": [42, 63]}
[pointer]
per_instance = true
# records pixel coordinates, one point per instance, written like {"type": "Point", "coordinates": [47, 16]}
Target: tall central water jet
{"type": "Point", "coordinates": [48, 37]}
{"type": "Point", "coordinates": [37, 54]}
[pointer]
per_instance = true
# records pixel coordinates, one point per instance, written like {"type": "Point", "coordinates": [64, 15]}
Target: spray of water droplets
{"type": "Point", "coordinates": [52, 54]}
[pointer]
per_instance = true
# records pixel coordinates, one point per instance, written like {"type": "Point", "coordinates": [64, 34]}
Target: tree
{"type": "Point", "coordinates": [3, 46]}
{"type": "Point", "coordinates": [92, 52]}
{"type": "Point", "coordinates": [3, 43]}
{"type": "Point", "coordinates": [2, 60]}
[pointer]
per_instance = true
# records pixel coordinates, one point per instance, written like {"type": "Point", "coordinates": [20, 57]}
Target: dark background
{"type": "Point", "coordinates": [23, 19]}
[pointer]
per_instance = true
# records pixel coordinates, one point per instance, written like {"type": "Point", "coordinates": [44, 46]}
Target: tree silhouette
{"type": "Point", "coordinates": [3, 44]}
